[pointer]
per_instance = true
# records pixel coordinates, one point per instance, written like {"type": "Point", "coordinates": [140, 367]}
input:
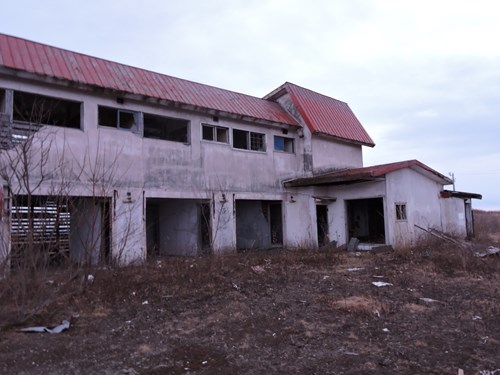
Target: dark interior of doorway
{"type": "Point", "coordinates": [365, 220]}
{"type": "Point", "coordinates": [259, 224]}
{"type": "Point", "coordinates": [322, 224]}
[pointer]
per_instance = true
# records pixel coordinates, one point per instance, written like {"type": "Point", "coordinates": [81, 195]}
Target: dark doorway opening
{"type": "Point", "coordinates": [259, 224]}
{"type": "Point", "coordinates": [322, 224]}
{"type": "Point", "coordinates": [365, 220]}
{"type": "Point", "coordinates": [178, 227]}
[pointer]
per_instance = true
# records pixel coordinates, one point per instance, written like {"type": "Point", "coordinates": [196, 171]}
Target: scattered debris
{"type": "Point", "coordinates": [145, 303]}
{"type": "Point", "coordinates": [380, 284]}
{"type": "Point", "coordinates": [477, 317]}
{"type": "Point", "coordinates": [490, 372]}
{"type": "Point", "coordinates": [90, 278]}
{"type": "Point", "coordinates": [491, 250]}
{"type": "Point", "coordinates": [378, 276]}
{"type": "Point", "coordinates": [428, 300]}
{"type": "Point", "coordinates": [385, 330]}
{"type": "Point", "coordinates": [236, 286]}
{"type": "Point", "coordinates": [443, 236]}
{"type": "Point", "coordinates": [258, 269]}
{"type": "Point", "coordinates": [57, 329]}
{"type": "Point", "coordinates": [346, 352]}
{"type": "Point", "coordinates": [376, 313]}
{"type": "Point", "coordinates": [355, 269]}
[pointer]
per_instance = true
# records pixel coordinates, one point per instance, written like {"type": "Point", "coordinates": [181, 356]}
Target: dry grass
{"type": "Point", "coordinates": [487, 226]}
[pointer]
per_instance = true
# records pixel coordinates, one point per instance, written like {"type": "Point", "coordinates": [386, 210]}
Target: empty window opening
{"type": "Point", "coordinates": [259, 224]}
{"type": "Point", "coordinates": [365, 220]}
{"type": "Point", "coordinates": [117, 118]}
{"type": "Point", "coordinates": [166, 128]}
{"type": "Point", "coordinates": [215, 133]}
{"type": "Point", "coordinates": [44, 110]}
{"type": "Point", "coordinates": [283, 144]}
{"type": "Point", "coordinates": [400, 211]}
{"type": "Point", "coordinates": [249, 140]}
{"type": "Point", "coordinates": [322, 224]}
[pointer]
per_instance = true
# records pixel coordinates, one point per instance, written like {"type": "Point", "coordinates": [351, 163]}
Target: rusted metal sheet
{"type": "Point", "coordinates": [44, 60]}
{"type": "Point", "coordinates": [325, 115]}
{"type": "Point", "coordinates": [372, 173]}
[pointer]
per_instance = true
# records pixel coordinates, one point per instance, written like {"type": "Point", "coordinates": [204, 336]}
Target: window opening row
{"type": "Point", "coordinates": [45, 110]}
{"type": "Point", "coordinates": [245, 140]}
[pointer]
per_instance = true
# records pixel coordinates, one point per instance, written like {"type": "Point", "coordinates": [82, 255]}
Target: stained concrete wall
{"type": "Point", "coordinates": [299, 229]}
{"type": "Point", "coordinates": [329, 153]}
{"type": "Point", "coordinates": [453, 216]}
{"type": "Point", "coordinates": [421, 196]}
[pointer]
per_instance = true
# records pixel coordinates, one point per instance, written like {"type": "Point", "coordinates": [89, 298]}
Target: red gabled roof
{"type": "Point", "coordinates": [324, 115]}
{"type": "Point", "coordinates": [46, 61]}
{"type": "Point", "coordinates": [374, 172]}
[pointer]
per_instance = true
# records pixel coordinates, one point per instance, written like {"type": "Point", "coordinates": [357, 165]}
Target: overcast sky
{"type": "Point", "coordinates": [423, 77]}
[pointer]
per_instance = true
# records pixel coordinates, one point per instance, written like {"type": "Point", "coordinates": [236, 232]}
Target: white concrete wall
{"type": "Point", "coordinates": [453, 216]}
{"type": "Point", "coordinates": [421, 196]}
{"type": "Point", "coordinates": [330, 153]}
{"type": "Point", "coordinates": [299, 228]}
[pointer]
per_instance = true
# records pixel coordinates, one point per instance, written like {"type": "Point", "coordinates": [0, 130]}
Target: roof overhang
{"type": "Point", "coordinates": [460, 194]}
{"type": "Point", "coordinates": [366, 174]}
{"type": "Point", "coordinates": [330, 180]}
{"type": "Point", "coordinates": [346, 140]}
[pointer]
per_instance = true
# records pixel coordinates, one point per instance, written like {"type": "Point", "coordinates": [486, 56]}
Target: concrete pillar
{"type": "Point", "coordinates": [223, 223]}
{"type": "Point", "coordinates": [5, 220]}
{"type": "Point", "coordinates": [129, 227]}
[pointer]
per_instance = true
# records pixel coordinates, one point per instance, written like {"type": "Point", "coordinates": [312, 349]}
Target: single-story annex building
{"type": "Point", "coordinates": [108, 162]}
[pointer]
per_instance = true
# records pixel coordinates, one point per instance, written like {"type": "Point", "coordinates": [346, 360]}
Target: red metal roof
{"type": "Point", "coordinates": [324, 115]}
{"type": "Point", "coordinates": [43, 60]}
{"type": "Point", "coordinates": [374, 172]}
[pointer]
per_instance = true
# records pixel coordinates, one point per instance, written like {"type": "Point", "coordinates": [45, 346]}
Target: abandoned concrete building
{"type": "Point", "coordinates": [111, 162]}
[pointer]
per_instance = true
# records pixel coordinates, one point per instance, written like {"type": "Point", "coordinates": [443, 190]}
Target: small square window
{"type": "Point", "coordinates": [257, 142]}
{"type": "Point", "coordinates": [215, 133]}
{"type": "Point", "coordinates": [400, 211]}
{"type": "Point", "coordinates": [283, 144]}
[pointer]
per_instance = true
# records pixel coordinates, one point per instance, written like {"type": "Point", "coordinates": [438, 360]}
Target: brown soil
{"type": "Point", "coordinates": [298, 313]}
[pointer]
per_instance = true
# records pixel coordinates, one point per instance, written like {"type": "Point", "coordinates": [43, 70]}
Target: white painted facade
{"type": "Point", "coordinates": [154, 188]}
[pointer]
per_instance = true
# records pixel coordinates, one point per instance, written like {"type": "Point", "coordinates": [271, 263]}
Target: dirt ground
{"type": "Point", "coordinates": [304, 312]}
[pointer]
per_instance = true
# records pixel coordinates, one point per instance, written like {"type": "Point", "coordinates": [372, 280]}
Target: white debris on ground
{"type": "Point", "coordinates": [380, 284]}
{"type": "Point", "coordinates": [490, 250]}
{"type": "Point", "coordinates": [355, 269]}
{"type": "Point", "coordinates": [40, 329]}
